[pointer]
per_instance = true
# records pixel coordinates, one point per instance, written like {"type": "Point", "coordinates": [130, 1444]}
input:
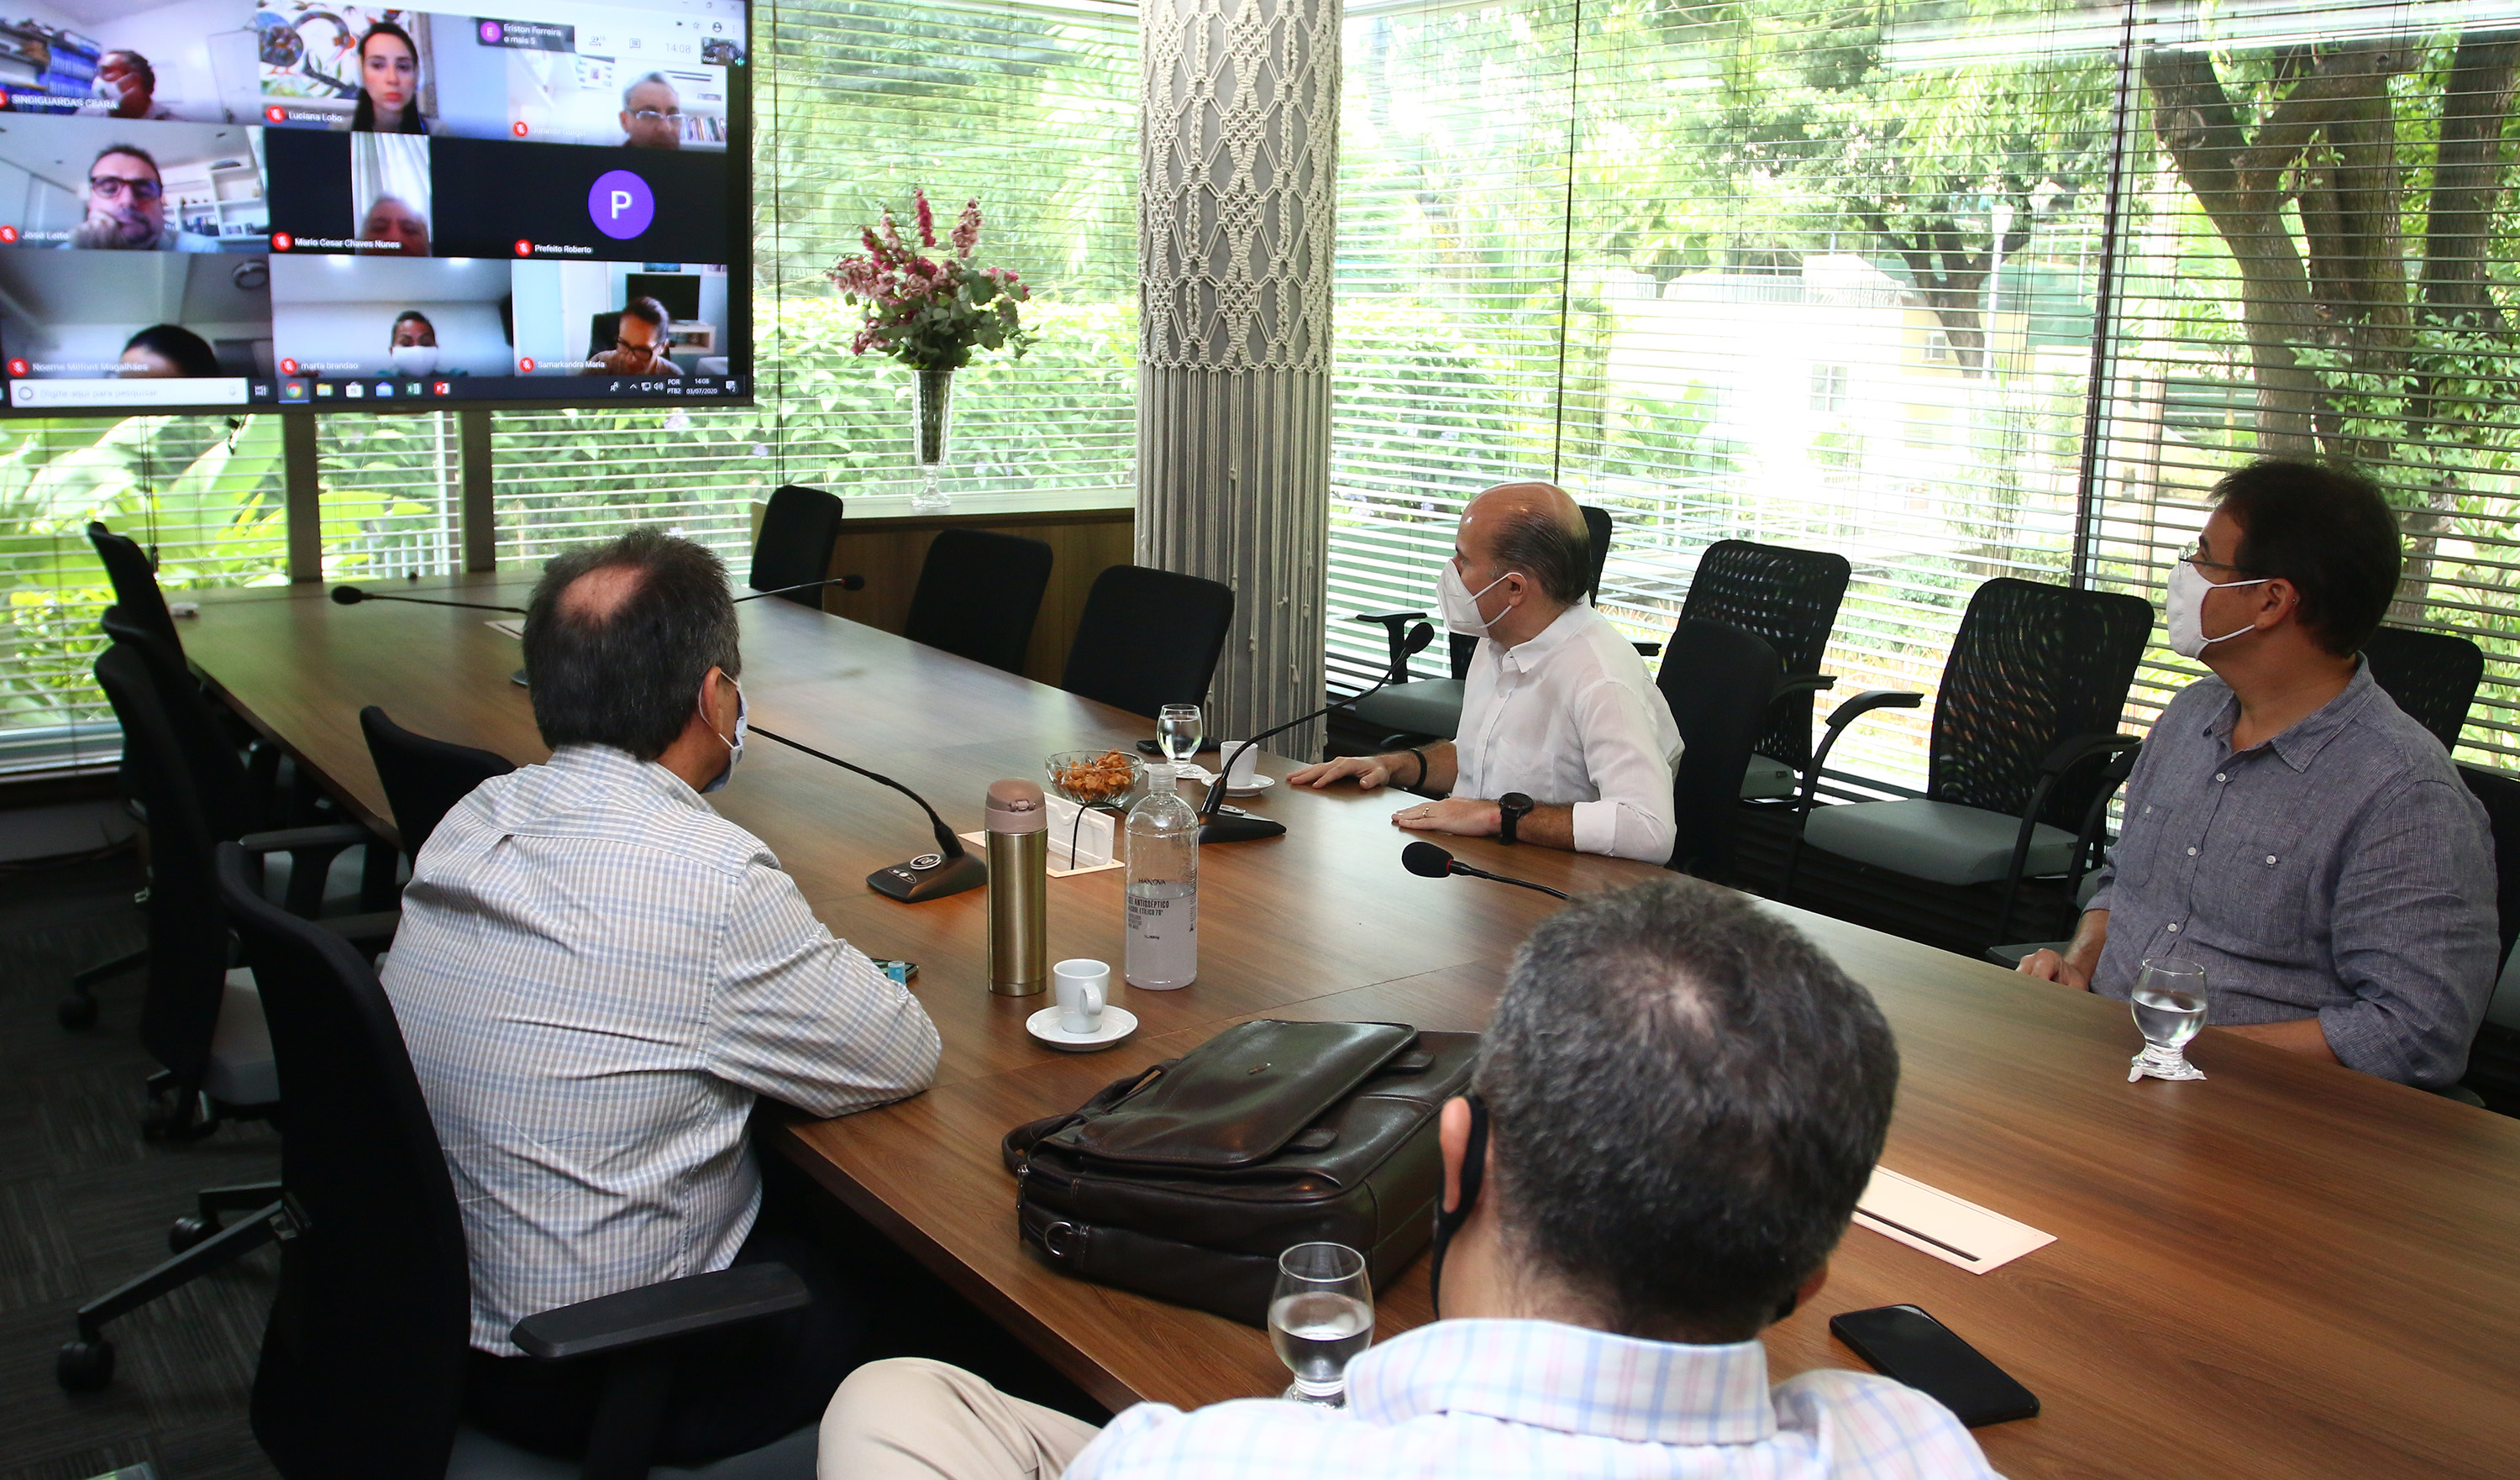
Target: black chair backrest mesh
{"type": "Point", "coordinates": [1787, 597]}
{"type": "Point", "coordinates": [2500, 792]}
{"type": "Point", "coordinates": [1717, 679]}
{"type": "Point", "coordinates": [231, 804]}
{"type": "Point", "coordinates": [423, 776]}
{"type": "Point", "coordinates": [135, 583]}
{"type": "Point", "coordinates": [1148, 638]}
{"type": "Point", "coordinates": [188, 934]}
{"type": "Point", "coordinates": [364, 1354]}
{"type": "Point", "coordinates": [795, 546]}
{"type": "Point", "coordinates": [1597, 534]}
{"type": "Point", "coordinates": [2033, 665]}
{"type": "Point", "coordinates": [2432, 675]}
{"type": "Point", "coordinates": [979, 594]}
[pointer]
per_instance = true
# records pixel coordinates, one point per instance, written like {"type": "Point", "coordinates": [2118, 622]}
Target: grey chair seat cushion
{"type": "Point", "coordinates": [240, 1071]}
{"type": "Point", "coordinates": [1427, 707]}
{"type": "Point", "coordinates": [1942, 841]}
{"type": "Point", "coordinates": [478, 1456]}
{"type": "Point", "coordinates": [1768, 778]}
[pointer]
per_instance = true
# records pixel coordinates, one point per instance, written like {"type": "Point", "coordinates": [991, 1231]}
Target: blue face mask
{"type": "Point", "coordinates": [734, 747]}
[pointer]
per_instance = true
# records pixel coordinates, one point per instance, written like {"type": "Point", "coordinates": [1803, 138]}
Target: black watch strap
{"type": "Point", "coordinates": [1511, 808]}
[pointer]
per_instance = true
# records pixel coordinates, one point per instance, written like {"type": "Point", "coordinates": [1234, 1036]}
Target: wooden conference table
{"type": "Point", "coordinates": [2286, 1269]}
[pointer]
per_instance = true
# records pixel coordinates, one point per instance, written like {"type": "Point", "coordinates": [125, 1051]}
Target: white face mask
{"type": "Point", "coordinates": [734, 747]}
{"type": "Point", "coordinates": [1460, 607]}
{"type": "Point", "coordinates": [414, 359]}
{"type": "Point", "coordinates": [2183, 611]}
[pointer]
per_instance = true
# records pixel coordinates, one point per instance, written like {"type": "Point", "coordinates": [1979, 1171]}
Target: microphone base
{"type": "Point", "coordinates": [914, 886]}
{"type": "Point", "coordinates": [1238, 830]}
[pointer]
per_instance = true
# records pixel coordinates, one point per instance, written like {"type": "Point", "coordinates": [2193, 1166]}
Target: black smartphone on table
{"type": "Point", "coordinates": [1907, 1345]}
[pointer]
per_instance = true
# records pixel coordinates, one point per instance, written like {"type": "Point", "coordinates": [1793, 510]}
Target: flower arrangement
{"type": "Point", "coordinates": [930, 313]}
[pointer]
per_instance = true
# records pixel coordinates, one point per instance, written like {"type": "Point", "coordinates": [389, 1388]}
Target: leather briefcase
{"type": "Point", "coordinates": [1187, 1179]}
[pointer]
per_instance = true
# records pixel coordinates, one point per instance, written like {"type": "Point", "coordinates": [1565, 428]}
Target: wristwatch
{"type": "Point", "coordinates": [1512, 809]}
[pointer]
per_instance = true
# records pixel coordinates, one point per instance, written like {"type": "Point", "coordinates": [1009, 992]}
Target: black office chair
{"type": "Point", "coordinates": [1148, 638]}
{"type": "Point", "coordinates": [1431, 708]}
{"type": "Point", "coordinates": [795, 546]}
{"type": "Point", "coordinates": [1720, 681]}
{"type": "Point", "coordinates": [363, 1362]}
{"type": "Point", "coordinates": [2030, 703]}
{"type": "Point", "coordinates": [135, 583]}
{"type": "Point", "coordinates": [2432, 675]}
{"type": "Point", "coordinates": [1791, 598]}
{"type": "Point", "coordinates": [423, 776]}
{"type": "Point", "coordinates": [979, 594]}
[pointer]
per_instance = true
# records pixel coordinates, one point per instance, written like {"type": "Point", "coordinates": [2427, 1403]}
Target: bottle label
{"type": "Point", "coordinates": [1157, 917]}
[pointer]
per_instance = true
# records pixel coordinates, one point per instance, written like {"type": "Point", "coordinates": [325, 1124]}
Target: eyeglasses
{"type": "Point", "coordinates": [111, 187]}
{"type": "Point", "coordinates": [2194, 554]}
{"type": "Point", "coordinates": [637, 348]}
{"type": "Point", "coordinates": [651, 115]}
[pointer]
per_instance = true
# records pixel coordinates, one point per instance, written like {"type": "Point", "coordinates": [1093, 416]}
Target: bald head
{"type": "Point", "coordinates": [621, 637]}
{"type": "Point", "coordinates": [596, 595]}
{"type": "Point", "coordinates": [1533, 528]}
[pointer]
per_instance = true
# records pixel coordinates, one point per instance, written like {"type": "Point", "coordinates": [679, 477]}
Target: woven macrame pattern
{"type": "Point", "coordinates": [1239, 149]}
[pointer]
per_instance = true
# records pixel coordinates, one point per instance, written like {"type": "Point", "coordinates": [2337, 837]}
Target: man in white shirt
{"type": "Point", "coordinates": [597, 976]}
{"type": "Point", "coordinates": [1565, 740]}
{"type": "Point", "coordinates": [1675, 1109]}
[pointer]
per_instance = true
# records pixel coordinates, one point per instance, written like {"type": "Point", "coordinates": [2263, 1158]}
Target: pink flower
{"type": "Point", "coordinates": [966, 232]}
{"type": "Point", "coordinates": [891, 233]}
{"type": "Point", "coordinates": [926, 218]}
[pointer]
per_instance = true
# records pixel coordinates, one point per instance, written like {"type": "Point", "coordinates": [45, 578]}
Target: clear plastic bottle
{"type": "Point", "coordinates": [1164, 887]}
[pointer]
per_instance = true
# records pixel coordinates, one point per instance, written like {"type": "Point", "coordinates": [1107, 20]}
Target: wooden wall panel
{"type": "Point", "coordinates": [889, 553]}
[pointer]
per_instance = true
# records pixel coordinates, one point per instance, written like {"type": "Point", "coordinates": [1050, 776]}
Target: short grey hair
{"type": "Point", "coordinates": [659, 78]}
{"type": "Point", "coordinates": [1687, 1098]}
{"type": "Point", "coordinates": [1558, 558]}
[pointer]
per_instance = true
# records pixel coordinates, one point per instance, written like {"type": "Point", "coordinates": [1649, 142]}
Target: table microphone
{"type": "Point", "coordinates": [1428, 861]}
{"type": "Point", "coordinates": [950, 869]}
{"type": "Point", "coordinates": [1234, 829]}
{"type": "Point", "coordinates": [844, 582]}
{"type": "Point", "coordinates": [351, 595]}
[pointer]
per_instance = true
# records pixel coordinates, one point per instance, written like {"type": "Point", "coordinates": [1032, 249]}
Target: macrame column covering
{"type": "Point", "coordinates": [1239, 152]}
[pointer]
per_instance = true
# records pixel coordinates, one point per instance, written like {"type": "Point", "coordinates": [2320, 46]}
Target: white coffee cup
{"type": "Point", "coordinates": [1081, 985]}
{"type": "Point", "coordinates": [1245, 769]}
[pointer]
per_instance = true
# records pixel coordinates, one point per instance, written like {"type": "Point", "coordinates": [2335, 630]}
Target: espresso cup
{"type": "Point", "coordinates": [1081, 985]}
{"type": "Point", "coordinates": [1245, 769]}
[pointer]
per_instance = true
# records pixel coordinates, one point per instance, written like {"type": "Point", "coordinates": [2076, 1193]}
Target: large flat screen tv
{"type": "Point", "coordinates": [280, 204]}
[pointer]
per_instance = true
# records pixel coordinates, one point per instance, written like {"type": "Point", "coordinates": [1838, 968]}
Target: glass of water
{"type": "Point", "coordinates": [2169, 1005]}
{"type": "Point", "coordinates": [1179, 729]}
{"type": "Point", "coordinates": [1321, 1316]}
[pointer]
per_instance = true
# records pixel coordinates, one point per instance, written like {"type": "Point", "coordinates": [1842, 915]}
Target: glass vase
{"type": "Point", "coordinates": [932, 421]}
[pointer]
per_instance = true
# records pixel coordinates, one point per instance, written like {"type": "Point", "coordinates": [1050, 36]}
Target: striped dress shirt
{"type": "Point", "coordinates": [1487, 1400]}
{"type": "Point", "coordinates": [596, 975]}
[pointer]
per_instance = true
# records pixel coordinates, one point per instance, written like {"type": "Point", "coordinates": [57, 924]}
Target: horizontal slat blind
{"type": "Point", "coordinates": [2361, 154]}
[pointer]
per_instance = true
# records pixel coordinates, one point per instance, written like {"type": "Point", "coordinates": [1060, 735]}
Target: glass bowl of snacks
{"type": "Point", "coordinates": [1094, 778]}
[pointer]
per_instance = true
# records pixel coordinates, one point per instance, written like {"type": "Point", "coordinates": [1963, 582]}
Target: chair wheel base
{"type": "Point", "coordinates": [190, 1232]}
{"type": "Point", "coordinates": [84, 1367]}
{"type": "Point", "coordinates": [75, 1012]}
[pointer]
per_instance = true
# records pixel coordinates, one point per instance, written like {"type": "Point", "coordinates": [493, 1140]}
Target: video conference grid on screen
{"type": "Point", "coordinates": [277, 204]}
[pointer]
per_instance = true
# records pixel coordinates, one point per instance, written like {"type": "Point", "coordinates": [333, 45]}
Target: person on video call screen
{"type": "Point", "coordinates": [167, 351]}
{"type": "Point", "coordinates": [127, 207]}
{"type": "Point", "coordinates": [391, 219]}
{"type": "Point", "coordinates": [651, 113]}
{"type": "Point", "coordinates": [388, 84]}
{"type": "Point", "coordinates": [414, 346]}
{"type": "Point", "coordinates": [125, 79]}
{"type": "Point", "coordinates": [640, 345]}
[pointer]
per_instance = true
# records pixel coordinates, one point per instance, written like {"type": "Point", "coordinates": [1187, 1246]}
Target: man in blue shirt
{"type": "Point", "coordinates": [2289, 829]}
{"type": "Point", "coordinates": [1680, 1100]}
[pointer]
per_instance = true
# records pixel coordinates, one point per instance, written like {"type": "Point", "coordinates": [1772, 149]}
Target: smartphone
{"type": "Point", "coordinates": [899, 970]}
{"type": "Point", "coordinates": [1904, 1343]}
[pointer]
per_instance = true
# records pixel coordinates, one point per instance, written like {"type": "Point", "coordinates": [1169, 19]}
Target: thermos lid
{"type": "Point", "coordinates": [1016, 806]}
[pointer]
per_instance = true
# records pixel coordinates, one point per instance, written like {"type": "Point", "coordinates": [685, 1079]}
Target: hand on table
{"type": "Point", "coordinates": [1462, 816]}
{"type": "Point", "coordinates": [2047, 966]}
{"type": "Point", "coordinates": [1370, 771]}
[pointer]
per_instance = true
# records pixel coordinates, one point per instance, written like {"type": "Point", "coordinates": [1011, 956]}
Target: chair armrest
{"type": "Point", "coordinates": [1648, 649]}
{"type": "Point", "coordinates": [1396, 626]}
{"type": "Point", "coordinates": [1842, 716]}
{"type": "Point", "coordinates": [2074, 750]}
{"type": "Point", "coordinates": [1790, 684]}
{"type": "Point", "coordinates": [334, 836]}
{"type": "Point", "coordinates": [656, 1312]}
{"type": "Point", "coordinates": [1391, 619]}
{"type": "Point", "coordinates": [375, 929]}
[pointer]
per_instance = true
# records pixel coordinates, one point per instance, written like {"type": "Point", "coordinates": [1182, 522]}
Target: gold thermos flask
{"type": "Point", "coordinates": [1018, 830]}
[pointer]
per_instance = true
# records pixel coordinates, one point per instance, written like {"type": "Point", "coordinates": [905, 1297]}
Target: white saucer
{"type": "Point", "coordinates": [1117, 1023]}
{"type": "Point", "coordinates": [1259, 784]}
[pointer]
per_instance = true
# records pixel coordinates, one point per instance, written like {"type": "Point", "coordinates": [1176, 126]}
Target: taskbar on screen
{"type": "Point", "coordinates": [371, 393]}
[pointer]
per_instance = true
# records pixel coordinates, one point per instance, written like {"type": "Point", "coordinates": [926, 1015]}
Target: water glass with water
{"type": "Point", "coordinates": [2169, 1006]}
{"type": "Point", "coordinates": [1179, 729]}
{"type": "Point", "coordinates": [1320, 1317]}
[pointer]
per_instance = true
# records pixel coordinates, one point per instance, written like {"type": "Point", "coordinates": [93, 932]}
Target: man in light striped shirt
{"type": "Point", "coordinates": [597, 976]}
{"type": "Point", "coordinates": [1679, 1102]}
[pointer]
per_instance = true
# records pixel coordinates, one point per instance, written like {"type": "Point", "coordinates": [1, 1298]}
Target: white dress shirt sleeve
{"type": "Point", "coordinates": [804, 1019]}
{"type": "Point", "coordinates": [1624, 755]}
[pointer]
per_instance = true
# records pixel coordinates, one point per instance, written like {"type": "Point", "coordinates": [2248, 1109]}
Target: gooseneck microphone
{"type": "Point", "coordinates": [844, 582]}
{"type": "Point", "coordinates": [1234, 829]}
{"type": "Point", "coordinates": [351, 595]}
{"type": "Point", "coordinates": [950, 869]}
{"type": "Point", "coordinates": [1428, 861]}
